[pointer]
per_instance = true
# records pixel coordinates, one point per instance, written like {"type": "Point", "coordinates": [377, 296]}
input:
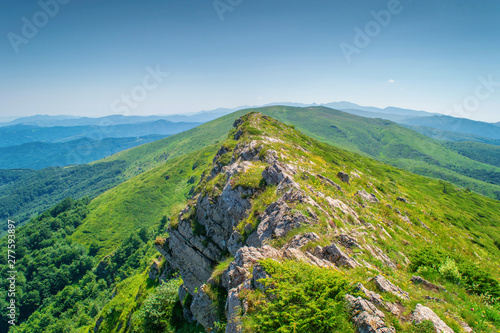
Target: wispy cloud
{"type": "Point", "coordinates": [391, 81]}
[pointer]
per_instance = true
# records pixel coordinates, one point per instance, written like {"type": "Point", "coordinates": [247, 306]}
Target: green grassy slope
{"type": "Point", "coordinates": [391, 143]}
{"type": "Point", "coordinates": [110, 223]}
{"type": "Point", "coordinates": [447, 235]}
{"type": "Point", "coordinates": [141, 201]}
{"type": "Point", "coordinates": [482, 152]}
{"type": "Point", "coordinates": [472, 220]}
{"type": "Point", "coordinates": [25, 194]}
{"type": "Point", "coordinates": [381, 139]}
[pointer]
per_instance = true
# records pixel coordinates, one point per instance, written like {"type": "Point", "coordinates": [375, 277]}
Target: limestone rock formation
{"type": "Point", "coordinates": [367, 197]}
{"type": "Point", "coordinates": [366, 316]}
{"type": "Point", "coordinates": [385, 285]}
{"type": "Point", "coordinates": [335, 255]}
{"type": "Point", "coordinates": [422, 313]}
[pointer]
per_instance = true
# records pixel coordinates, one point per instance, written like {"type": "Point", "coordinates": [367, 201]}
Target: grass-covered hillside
{"type": "Point", "coordinates": [40, 155]}
{"type": "Point", "coordinates": [331, 220]}
{"type": "Point", "coordinates": [61, 285]}
{"type": "Point", "coordinates": [393, 144]}
{"type": "Point", "coordinates": [25, 193]}
{"type": "Point", "coordinates": [86, 264]}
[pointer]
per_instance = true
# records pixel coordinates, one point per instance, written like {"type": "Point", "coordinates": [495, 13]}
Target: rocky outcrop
{"type": "Point", "coordinates": [367, 197]}
{"type": "Point", "coordinates": [220, 222]}
{"type": "Point", "coordinates": [187, 253]}
{"type": "Point", "coordinates": [380, 255]}
{"type": "Point", "coordinates": [366, 316]}
{"type": "Point", "coordinates": [378, 301]}
{"type": "Point", "coordinates": [347, 241]}
{"type": "Point", "coordinates": [238, 278]}
{"type": "Point", "coordinates": [329, 182]}
{"type": "Point", "coordinates": [154, 270]}
{"type": "Point", "coordinates": [344, 177]}
{"type": "Point", "coordinates": [235, 308]}
{"type": "Point", "coordinates": [426, 284]}
{"type": "Point", "coordinates": [337, 204]}
{"type": "Point", "coordinates": [258, 275]}
{"type": "Point", "coordinates": [386, 286]}
{"type": "Point", "coordinates": [247, 257]}
{"type": "Point", "coordinates": [203, 309]}
{"type": "Point", "coordinates": [299, 241]}
{"type": "Point", "coordinates": [276, 221]}
{"type": "Point", "coordinates": [422, 313]}
{"type": "Point", "coordinates": [335, 255]}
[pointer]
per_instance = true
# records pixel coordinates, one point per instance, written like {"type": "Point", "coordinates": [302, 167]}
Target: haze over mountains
{"type": "Point", "coordinates": [28, 192]}
{"type": "Point", "coordinates": [54, 138]}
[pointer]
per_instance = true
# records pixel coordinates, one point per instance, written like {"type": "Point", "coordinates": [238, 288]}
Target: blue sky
{"type": "Point", "coordinates": [432, 55]}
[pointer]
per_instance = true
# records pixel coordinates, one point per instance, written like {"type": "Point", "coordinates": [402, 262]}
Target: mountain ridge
{"type": "Point", "coordinates": [409, 150]}
{"type": "Point", "coordinates": [248, 207]}
{"type": "Point", "coordinates": [361, 212]}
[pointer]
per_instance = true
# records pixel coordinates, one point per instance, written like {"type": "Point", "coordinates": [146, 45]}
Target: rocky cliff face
{"type": "Point", "coordinates": [268, 197]}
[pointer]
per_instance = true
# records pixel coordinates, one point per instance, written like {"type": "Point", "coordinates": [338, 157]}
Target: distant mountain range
{"type": "Point", "coordinates": [22, 133]}
{"type": "Point", "coordinates": [460, 125]}
{"type": "Point", "coordinates": [41, 141]}
{"type": "Point", "coordinates": [390, 113]}
{"type": "Point", "coordinates": [39, 155]}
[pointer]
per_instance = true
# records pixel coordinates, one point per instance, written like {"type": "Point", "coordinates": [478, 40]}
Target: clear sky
{"type": "Point", "coordinates": [95, 57]}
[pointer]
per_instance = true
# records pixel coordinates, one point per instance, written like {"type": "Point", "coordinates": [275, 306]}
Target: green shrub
{"type": "Point", "coordinates": [251, 179]}
{"type": "Point", "coordinates": [155, 314]}
{"type": "Point", "coordinates": [449, 270]}
{"type": "Point", "coordinates": [300, 298]}
{"type": "Point", "coordinates": [475, 279]}
{"type": "Point", "coordinates": [425, 326]}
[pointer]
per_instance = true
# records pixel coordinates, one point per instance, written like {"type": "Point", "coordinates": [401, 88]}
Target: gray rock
{"type": "Point", "coordinates": [367, 197]}
{"type": "Point", "coordinates": [183, 292]}
{"type": "Point", "coordinates": [187, 253]}
{"type": "Point", "coordinates": [385, 285]}
{"type": "Point", "coordinates": [271, 156]}
{"type": "Point", "coordinates": [366, 316]}
{"type": "Point", "coordinates": [276, 221]}
{"type": "Point", "coordinates": [250, 152]}
{"type": "Point", "coordinates": [276, 173]}
{"type": "Point", "coordinates": [301, 240]}
{"type": "Point", "coordinates": [426, 284]}
{"type": "Point", "coordinates": [344, 177]}
{"type": "Point", "coordinates": [235, 308]}
{"type": "Point", "coordinates": [378, 301]}
{"type": "Point", "coordinates": [347, 241]}
{"type": "Point", "coordinates": [377, 253]}
{"type": "Point", "coordinates": [344, 208]}
{"type": "Point", "coordinates": [335, 255]}
{"type": "Point", "coordinates": [422, 313]}
{"type": "Point", "coordinates": [154, 270]}
{"type": "Point", "coordinates": [221, 152]}
{"type": "Point", "coordinates": [258, 274]}
{"type": "Point", "coordinates": [203, 309]}
{"type": "Point", "coordinates": [329, 182]}
{"type": "Point", "coordinates": [245, 258]}
{"type": "Point", "coordinates": [238, 122]}
{"type": "Point", "coordinates": [238, 134]}
{"type": "Point", "coordinates": [98, 324]}
{"type": "Point", "coordinates": [402, 199]}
